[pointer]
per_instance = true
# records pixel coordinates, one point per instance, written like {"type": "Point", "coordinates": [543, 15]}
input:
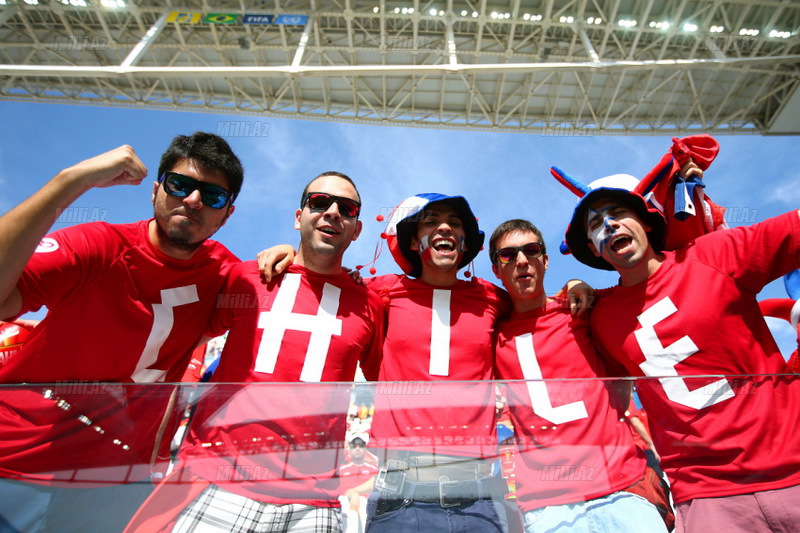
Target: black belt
{"type": "Point", "coordinates": [427, 467]}
{"type": "Point", "coordinates": [394, 484]}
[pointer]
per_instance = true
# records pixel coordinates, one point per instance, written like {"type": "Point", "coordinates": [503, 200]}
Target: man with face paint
{"type": "Point", "coordinates": [693, 312]}
{"type": "Point", "coordinates": [127, 303]}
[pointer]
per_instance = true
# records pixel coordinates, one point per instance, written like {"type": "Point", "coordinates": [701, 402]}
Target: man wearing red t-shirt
{"type": "Point", "coordinates": [147, 289]}
{"type": "Point", "coordinates": [360, 469]}
{"type": "Point", "coordinates": [727, 444]}
{"type": "Point", "coordinates": [266, 459]}
{"type": "Point", "coordinates": [357, 478]}
{"type": "Point", "coordinates": [440, 439]}
{"type": "Point", "coordinates": [575, 457]}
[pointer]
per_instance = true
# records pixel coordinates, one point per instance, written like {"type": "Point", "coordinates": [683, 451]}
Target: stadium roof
{"type": "Point", "coordinates": [560, 67]}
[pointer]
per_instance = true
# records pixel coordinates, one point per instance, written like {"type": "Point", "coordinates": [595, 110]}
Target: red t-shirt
{"type": "Point", "coordinates": [441, 336]}
{"type": "Point", "coordinates": [698, 315]}
{"type": "Point", "coordinates": [353, 475]}
{"type": "Point", "coordinates": [571, 443]}
{"type": "Point", "coordinates": [119, 310]}
{"type": "Point", "coordinates": [282, 443]}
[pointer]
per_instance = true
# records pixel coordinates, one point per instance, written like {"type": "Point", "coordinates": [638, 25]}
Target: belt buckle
{"type": "Point", "coordinates": [444, 500]}
{"type": "Point", "coordinates": [391, 481]}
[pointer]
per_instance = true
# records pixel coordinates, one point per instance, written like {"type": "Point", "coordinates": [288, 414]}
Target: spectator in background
{"type": "Point", "coordinates": [357, 479]}
{"type": "Point", "coordinates": [637, 419]}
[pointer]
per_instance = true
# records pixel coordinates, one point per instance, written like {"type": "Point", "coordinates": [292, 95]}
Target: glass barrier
{"type": "Point", "coordinates": [142, 454]}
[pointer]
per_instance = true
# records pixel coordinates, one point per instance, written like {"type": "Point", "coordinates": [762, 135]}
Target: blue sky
{"type": "Point", "coordinates": [503, 175]}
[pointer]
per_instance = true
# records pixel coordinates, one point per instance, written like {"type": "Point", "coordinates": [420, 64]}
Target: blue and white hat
{"type": "Point", "coordinates": [621, 187]}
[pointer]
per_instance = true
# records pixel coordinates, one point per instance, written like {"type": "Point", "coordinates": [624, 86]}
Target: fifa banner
{"type": "Point", "coordinates": [180, 17]}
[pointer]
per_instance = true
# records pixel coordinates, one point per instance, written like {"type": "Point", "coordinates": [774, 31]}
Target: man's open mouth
{"type": "Point", "coordinates": [328, 231]}
{"type": "Point", "coordinates": [444, 245]}
{"type": "Point", "coordinates": [618, 243]}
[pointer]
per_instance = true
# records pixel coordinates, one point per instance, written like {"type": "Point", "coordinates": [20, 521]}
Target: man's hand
{"type": "Point", "coordinates": [580, 295]}
{"type": "Point", "coordinates": [275, 260]}
{"type": "Point", "coordinates": [120, 166]}
{"type": "Point", "coordinates": [690, 169]}
{"type": "Point", "coordinates": [23, 227]}
{"type": "Point", "coordinates": [355, 274]}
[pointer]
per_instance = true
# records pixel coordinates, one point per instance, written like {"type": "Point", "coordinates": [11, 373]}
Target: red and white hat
{"type": "Point", "coordinates": [402, 228]}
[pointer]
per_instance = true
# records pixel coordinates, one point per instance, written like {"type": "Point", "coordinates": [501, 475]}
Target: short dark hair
{"type": "Point", "coordinates": [510, 226]}
{"type": "Point", "coordinates": [210, 152]}
{"type": "Point", "coordinates": [329, 173]}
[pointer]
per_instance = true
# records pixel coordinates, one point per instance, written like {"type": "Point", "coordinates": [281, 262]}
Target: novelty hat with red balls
{"type": "Point", "coordinates": [623, 188]}
{"type": "Point", "coordinates": [402, 228]}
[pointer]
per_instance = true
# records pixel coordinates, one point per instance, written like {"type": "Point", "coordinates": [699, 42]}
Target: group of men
{"type": "Point", "coordinates": [265, 457]}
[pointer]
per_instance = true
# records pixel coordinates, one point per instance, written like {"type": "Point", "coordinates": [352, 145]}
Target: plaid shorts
{"type": "Point", "coordinates": [216, 509]}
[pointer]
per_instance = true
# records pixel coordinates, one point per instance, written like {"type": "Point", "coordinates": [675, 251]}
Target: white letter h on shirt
{"type": "Point", "coordinates": [280, 317]}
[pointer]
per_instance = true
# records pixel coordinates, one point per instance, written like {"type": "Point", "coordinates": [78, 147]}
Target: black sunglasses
{"type": "Point", "coordinates": [181, 186]}
{"type": "Point", "coordinates": [532, 250]}
{"type": "Point", "coordinates": [322, 201]}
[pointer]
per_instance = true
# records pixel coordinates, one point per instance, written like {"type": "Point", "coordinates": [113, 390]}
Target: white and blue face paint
{"type": "Point", "coordinates": [601, 220]}
{"type": "Point", "coordinates": [423, 244]}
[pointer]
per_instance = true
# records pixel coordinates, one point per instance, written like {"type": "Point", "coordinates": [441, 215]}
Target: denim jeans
{"type": "Point", "coordinates": [618, 512]}
{"type": "Point", "coordinates": [407, 516]}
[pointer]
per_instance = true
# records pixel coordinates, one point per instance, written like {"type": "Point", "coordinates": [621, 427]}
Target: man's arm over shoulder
{"type": "Point", "coordinates": [275, 260]}
{"type": "Point", "coordinates": [386, 286]}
